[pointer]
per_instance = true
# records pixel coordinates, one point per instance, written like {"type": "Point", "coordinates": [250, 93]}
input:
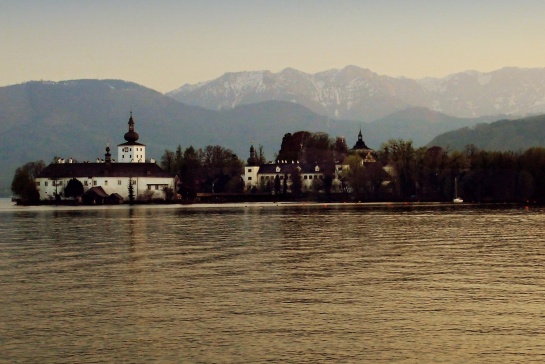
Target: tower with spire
{"type": "Point", "coordinates": [131, 151]}
{"type": "Point", "coordinates": [363, 150]}
{"type": "Point", "coordinates": [251, 169]}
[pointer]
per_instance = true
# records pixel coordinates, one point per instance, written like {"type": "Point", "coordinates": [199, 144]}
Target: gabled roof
{"type": "Point", "coordinates": [87, 170]}
{"type": "Point", "coordinates": [99, 191]}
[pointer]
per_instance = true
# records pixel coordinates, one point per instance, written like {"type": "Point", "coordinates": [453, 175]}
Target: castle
{"type": "Point", "coordinates": [260, 175]}
{"type": "Point", "coordinates": [107, 180]}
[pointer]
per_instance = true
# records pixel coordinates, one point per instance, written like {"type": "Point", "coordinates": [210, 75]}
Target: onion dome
{"type": "Point", "coordinates": [131, 136]}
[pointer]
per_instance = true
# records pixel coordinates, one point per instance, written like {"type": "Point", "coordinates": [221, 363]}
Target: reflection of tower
{"type": "Point", "coordinates": [131, 151]}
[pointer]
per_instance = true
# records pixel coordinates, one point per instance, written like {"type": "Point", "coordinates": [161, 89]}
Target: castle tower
{"type": "Point", "coordinates": [251, 170]}
{"type": "Point", "coordinates": [131, 151]}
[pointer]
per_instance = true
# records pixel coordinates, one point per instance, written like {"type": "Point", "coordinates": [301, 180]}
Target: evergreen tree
{"type": "Point", "coordinates": [296, 182]}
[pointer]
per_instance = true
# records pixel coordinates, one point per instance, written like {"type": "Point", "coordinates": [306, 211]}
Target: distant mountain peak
{"type": "Point", "coordinates": [359, 94]}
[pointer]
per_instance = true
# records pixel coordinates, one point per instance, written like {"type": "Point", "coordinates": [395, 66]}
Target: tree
{"type": "Point", "coordinates": [277, 185]}
{"type": "Point", "coordinates": [23, 183]}
{"type": "Point", "coordinates": [261, 156]}
{"type": "Point", "coordinates": [168, 161]}
{"type": "Point", "coordinates": [400, 155]}
{"type": "Point", "coordinates": [74, 188]}
{"type": "Point", "coordinates": [292, 146]}
{"type": "Point", "coordinates": [296, 182]}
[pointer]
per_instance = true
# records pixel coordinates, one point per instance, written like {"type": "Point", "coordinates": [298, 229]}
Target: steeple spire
{"type": "Point", "coordinates": [252, 161]}
{"type": "Point", "coordinates": [131, 136]}
{"type": "Point", "coordinates": [107, 156]}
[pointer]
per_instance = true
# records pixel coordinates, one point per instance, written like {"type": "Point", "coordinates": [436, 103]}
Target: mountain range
{"type": "Point", "coordinates": [354, 93]}
{"type": "Point", "coordinates": [78, 118]}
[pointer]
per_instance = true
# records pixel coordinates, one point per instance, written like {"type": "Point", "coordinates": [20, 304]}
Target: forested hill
{"type": "Point", "coordinates": [503, 135]}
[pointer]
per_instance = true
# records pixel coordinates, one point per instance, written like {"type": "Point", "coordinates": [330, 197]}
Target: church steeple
{"type": "Point", "coordinates": [107, 156]}
{"type": "Point", "coordinates": [252, 161]}
{"type": "Point", "coordinates": [360, 144]}
{"type": "Point", "coordinates": [131, 136]}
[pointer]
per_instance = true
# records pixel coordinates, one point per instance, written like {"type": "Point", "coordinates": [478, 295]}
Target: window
{"type": "Point", "coordinates": [37, 183]}
{"type": "Point", "coordinates": [46, 184]}
{"type": "Point", "coordinates": [85, 183]}
{"type": "Point", "coordinates": [119, 182]}
{"type": "Point", "coordinates": [249, 170]}
{"type": "Point", "coordinates": [133, 182]}
{"type": "Point", "coordinates": [106, 183]}
{"type": "Point", "coordinates": [305, 177]}
{"type": "Point", "coordinates": [156, 187]}
{"type": "Point", "coordinates": [94, 183]}
{"type": "Point", "coordinates": [249, 178]}
{"type": "Point", "coordinates": [262, 178]}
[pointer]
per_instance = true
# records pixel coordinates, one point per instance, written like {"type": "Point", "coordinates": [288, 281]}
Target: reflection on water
{"type": "Point", "coordinates": [262, 283]}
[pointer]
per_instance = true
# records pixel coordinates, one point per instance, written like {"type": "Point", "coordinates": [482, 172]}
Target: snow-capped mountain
{"type": "Point", "coordinates": [355, 93]}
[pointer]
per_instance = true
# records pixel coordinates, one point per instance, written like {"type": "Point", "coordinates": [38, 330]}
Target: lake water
{"type": "Point", "coordinates": [272, 283]}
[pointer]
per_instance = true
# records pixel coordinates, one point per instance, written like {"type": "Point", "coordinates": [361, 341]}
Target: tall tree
{"type": "Point", "coordinates": [296, 182]}
{"type": "Point", "coordinates": [168, 161]}
{"type": "Point", "coordinates": [23, 183]}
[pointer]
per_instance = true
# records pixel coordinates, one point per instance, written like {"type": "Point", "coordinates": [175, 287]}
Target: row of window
{"type": "Point", "coordinates": [127, 149]}
{"type": "Point", "coordinates": [85, 183]}
{"type": "Point", "coordinates": [265, 178]}
{"type": "Point", "coordinates": [138, 157]}
{"type": "Point", "coordinates": [156, 187]}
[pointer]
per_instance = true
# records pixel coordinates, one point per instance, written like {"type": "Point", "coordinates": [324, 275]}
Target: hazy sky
{"type": "Point", "coordinates": [164, 44]}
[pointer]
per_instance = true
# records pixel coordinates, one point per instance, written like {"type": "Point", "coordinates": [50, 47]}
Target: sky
{"type": "Point", "coordinates": [164, 44]}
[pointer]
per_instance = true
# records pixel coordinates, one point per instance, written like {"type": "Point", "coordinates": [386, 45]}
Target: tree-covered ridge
{"type": "Point", "coordinates": [502, 135]}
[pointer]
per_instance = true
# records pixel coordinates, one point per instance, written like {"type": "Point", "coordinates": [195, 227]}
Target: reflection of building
{"type": "Point", "coordinates": [113, 177]}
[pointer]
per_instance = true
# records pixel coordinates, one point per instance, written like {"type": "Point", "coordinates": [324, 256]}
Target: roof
{"type": "Point", "coordinates": [131, 143]}
{"type": "Point", "coordinates": [69, 170]}
{"type": "Point", "coordinates": [99, 191]}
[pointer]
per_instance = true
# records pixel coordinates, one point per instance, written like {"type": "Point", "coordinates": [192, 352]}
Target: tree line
{"type": "Point", "coordinates": [401, 172]}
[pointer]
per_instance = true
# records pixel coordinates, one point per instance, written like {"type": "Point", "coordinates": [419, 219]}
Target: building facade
{"type": "Point", "coordinates": [147, 178]}
{"type": "Point", "coordinates": [264, 176]}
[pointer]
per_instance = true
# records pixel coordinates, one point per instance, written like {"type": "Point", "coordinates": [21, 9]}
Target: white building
{"type": "Point", "coordinates": [311, 173]}
{"type": "Point", "coordinates": [107, 177]}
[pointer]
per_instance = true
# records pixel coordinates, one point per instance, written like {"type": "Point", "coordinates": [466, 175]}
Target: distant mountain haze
{"type": "Point", "coordinates": [359, 94]}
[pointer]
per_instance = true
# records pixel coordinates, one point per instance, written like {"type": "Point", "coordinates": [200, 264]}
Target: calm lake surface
{"type": "Point", "coordinates": [272, 283]}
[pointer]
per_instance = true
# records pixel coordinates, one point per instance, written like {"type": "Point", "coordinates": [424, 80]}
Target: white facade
{"type": "Point", "coordinates": [131, 153]}
{"type": "Point", "coordinates": [258, 176]}
{"type": "Point", "coordinates": [250, 176]}
{"type": "Point", "coordinates": [152, 187]}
